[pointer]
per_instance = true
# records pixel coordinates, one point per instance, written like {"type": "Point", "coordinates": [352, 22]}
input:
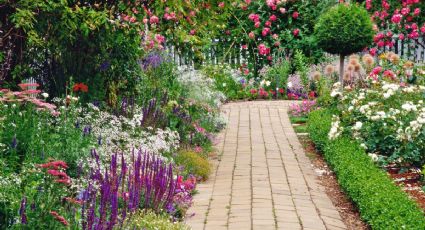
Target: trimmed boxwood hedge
{"type": "Point", "coordinates": [382, 204]}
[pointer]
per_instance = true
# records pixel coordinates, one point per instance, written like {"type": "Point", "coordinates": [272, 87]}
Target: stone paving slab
{"type": "Point", "coordinates": [262, 178]}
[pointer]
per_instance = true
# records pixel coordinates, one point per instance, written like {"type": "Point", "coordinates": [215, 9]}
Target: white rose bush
{"type": "Point", "coordinates": [387, 119]}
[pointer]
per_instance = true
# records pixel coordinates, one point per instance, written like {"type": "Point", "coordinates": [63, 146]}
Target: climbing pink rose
{"type": "Point", "coordinates": [396, 18]}
{"type": "Point", "coordinates": [154, 20]}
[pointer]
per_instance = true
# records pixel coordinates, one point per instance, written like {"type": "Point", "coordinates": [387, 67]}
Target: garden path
{"type": "Point", "coordinates": [262, 178]}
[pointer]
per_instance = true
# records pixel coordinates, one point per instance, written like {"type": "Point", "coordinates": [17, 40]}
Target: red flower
{"type": "Point", "coordinates": [59, 218]}
{"type": "Point", "coordinates": [25, 86]}
{"type": "Point", "coordinates": [281, 91]}
{"type": "Point", "coordinates": [54, 165]}
{"type": "Point", "coordinates": [80, 87]}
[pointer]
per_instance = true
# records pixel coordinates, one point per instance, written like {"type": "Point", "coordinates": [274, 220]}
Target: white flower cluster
{"type": "Point", "coordinates": [336, 90]}
{"type": "Point", "coordinates": [389, 111]}
{"type": "Point", "coordinates": [336, 129]}
{"type": "Point", "coordinates": [200, 88]}
{"type": "Point", "coordinates": [389, 90]}
{"type": "Point", "coordinates": [122, 134]}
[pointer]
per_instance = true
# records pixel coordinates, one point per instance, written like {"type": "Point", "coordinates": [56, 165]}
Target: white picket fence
{"type": "Point", "coordinates": [235, 55]}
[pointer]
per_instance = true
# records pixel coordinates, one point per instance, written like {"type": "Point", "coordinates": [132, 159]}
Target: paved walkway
{"type": "Point", "coordinates": [262, 179]}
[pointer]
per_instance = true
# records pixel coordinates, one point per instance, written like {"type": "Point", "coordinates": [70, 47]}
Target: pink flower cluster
{"type": "Point", "coordinates": [303, 108]}
{"type": "Point", "coordinates": [400, 17]}
{"type": "Point", "coordinates": [263, 50]}
{"type": "Point", "coordinates": [27, 95]}
{"type": "Point", "coordinates": [53, 168]}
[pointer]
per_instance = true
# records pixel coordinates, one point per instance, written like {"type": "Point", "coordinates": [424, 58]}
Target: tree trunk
{"type": "Point", "coordinates": [341, 70]}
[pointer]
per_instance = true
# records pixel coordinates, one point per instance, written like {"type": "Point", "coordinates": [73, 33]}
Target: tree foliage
{"type": "Point", "coordinates": [344, 29]}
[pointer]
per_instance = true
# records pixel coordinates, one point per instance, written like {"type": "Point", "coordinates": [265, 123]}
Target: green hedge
{"type": "Point", "coordinates": [382, 204]}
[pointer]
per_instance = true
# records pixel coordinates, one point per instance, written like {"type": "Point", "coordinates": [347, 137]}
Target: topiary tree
{"type": "Point", "coordinates": [344, 29]}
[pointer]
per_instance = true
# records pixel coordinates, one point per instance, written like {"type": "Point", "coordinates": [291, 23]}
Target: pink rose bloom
{"type": "Point", "coordinates": [377, 70]}
{"type": "Point", "coordinates": [396, 18]}
{"type": "Point", "coordinates": [251, 35]}
{"type": "Point", "coordinates": [248, 2]}
{"type": "Point", "coordinates": [405, 11]}
{"type": "Point", "coordinates": [295, 15]}
{"type": "Point", "coordinates": [401, 36]}
{"type": "Point", "coordinates": [254, 17]}
{"type": "Point", "coordinates": [389, 74]}
{"type": "Point", "coordinates": [417, 11]}
{"type": "Point", "coordinates": [246, 71]}
{"type": "Point", "coordinates": [268, 23]}
{"type": "Point", "coordinates": [244, 47]}
{"type": "Point", "coordinates": [270, 3]}
{"type": "Point", "coordinates": [159, 38]}
{"type": "Point", "coordinates": [414, 34]}
{"type": "Point", "coordinates": [389, 44]}
{"type": "Point", "coordinates": [273, 18]}
{"type": "Point", "coordinates": [269, 58]}
{"type": "Point", "coordinates": [265, 31]}
{"type": "Point", "coordinates": [368, 4]}
{"type": "Point", "coordinates": [154, 20]}
{"type": "Point", "coordinates": [277, 44]}
{"type": "Point", "coordinates": [414, 26]}
{"type": "Point", "coordinates": [263, 50]}
{"type": "Point", "coordinates": [282, 10]}
{"type": "Point", "coordinates": [423, 29]}
{"type": "Point", "coordinates": [380, 43]}
{"type": "Point", "coordinates": [275, 36]}
{"type": "Point", "coordinates": [192, 32]}
{"type": "Point", "coordinates": [296, 32]}
{"type": "Point", "coordinates": [257, 24]}
{"type": "Point", "coordinates": [373, 51]}
{"type": "Point", "coordinates": [221, 4]}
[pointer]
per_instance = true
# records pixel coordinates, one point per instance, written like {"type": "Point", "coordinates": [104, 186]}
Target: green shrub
{"type": "Point", "coordinates": [381, 203]}
{"type": "Point", "coordinates": [150, 220]}
{"type": "Point", "coordinates": [194, 164]}
{"type": "Point", "coordinates": [343, 30]}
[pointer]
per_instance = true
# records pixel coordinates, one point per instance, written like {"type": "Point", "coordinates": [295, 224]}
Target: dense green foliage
{"type": "Point", "coordinates": [381, 203]}
{"type": "Point", "coordinates": [344, 29]}
{"type": "Point", "coordinates": [194, 163]}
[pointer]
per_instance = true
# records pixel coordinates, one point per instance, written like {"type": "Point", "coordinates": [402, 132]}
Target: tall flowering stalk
{"type": "Point", "coordinates": [122, 188]}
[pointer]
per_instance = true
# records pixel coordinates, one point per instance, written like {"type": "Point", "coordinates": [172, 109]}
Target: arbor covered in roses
{"type": "Point", "coordinates": [269, 27]}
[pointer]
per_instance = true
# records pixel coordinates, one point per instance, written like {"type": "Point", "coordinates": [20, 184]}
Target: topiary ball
{"type": "Point", "coordinates": [344, 29]}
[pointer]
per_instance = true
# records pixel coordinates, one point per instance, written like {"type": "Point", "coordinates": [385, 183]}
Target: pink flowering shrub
{"type": "Point", "coordinates": [402, 19]}
{"type": "Point", "coordinates": [271, 26]}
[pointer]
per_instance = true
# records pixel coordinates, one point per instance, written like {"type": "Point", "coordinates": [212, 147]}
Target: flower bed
{"type": "Point", "coordinates": [68, 164]}
{"type": "Point", "coordinates": [381, 203]}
